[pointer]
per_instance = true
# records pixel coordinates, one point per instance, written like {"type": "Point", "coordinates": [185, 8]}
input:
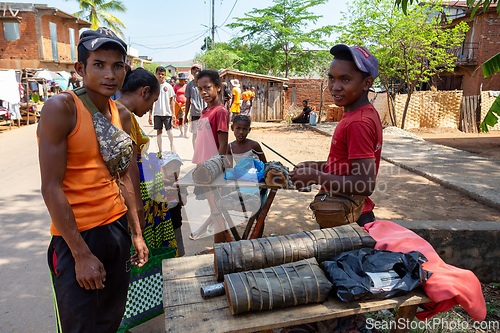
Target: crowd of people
{"type": "Point", "coordinates": [97, 213]}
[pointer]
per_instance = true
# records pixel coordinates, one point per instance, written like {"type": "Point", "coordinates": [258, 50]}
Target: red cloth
{"type": "Point", "coordinates": [358, 135]}
{"type": "Point", "coordinates": [448, 285]}
{"type": "Point", "coordinates": [212, 121]}
{"type": "Point", "coordinates": [179, 93]}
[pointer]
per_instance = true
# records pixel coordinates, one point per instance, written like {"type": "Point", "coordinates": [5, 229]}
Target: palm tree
{"type": "Point", "coordinates": [96, 12]}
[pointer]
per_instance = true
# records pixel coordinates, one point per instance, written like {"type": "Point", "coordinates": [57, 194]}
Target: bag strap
{"type": "Point", "coordinates": [82, 94]}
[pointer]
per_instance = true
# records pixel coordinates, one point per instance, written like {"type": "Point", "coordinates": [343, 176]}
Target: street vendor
{"type": "Point", "coordinates": [354, 158]}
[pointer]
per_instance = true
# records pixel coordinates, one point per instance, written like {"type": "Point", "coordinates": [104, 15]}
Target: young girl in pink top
{"type": "Point", "coordinates": [212, 128]}
{"type": "Point", "coordinates": [213, 125]}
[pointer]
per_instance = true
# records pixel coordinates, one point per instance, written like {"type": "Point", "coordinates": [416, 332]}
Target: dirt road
{"type": "Point", "coordinates": [400, 194]}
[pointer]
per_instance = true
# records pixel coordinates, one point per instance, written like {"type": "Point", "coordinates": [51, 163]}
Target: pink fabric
{"type": "Point", "coordinates": [448, 285]}
{"type": "Point", "coordinates": [212, 121]}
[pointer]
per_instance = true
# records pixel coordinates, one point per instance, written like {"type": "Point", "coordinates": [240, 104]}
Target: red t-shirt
{"type": "Point", "coordinates": [179, 93]}
{"type": "Point", "coordinates": [212, 120]}
{"type": "Point", "coordinates": [358, 135]}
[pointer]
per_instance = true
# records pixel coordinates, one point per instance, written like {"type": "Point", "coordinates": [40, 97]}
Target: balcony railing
{"type": "Point", "coordinates": [467, 54]}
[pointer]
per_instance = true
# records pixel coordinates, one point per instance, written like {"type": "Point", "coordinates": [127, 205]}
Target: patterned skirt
{"type": "Point", "coordinates": [159, 231]}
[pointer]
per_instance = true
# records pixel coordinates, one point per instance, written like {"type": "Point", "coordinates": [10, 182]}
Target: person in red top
{"type": "Point", "coordinates": [180, 104]}
{"type": "Point", "coordinates": [354, 158]}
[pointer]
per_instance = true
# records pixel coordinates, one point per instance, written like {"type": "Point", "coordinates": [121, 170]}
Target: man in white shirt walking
{"type": "Point", "coordinates": [162, 110]}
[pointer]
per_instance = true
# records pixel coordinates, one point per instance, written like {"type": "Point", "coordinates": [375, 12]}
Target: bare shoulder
{"type": "Point", "coordinates": [255, 145]}
{"type": "Point", "coordinates": [124, 117]}
{"type": "Point", "coordinates": [58, 114]}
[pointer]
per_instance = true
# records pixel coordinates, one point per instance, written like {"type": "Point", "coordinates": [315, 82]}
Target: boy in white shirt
{"type": "Point", "coordinates": [162, 109]}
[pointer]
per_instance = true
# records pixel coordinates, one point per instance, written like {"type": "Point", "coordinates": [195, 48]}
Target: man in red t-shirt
{"type": "Point", "coordinates": [354, 158]}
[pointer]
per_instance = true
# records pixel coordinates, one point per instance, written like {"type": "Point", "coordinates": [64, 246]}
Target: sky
{"type": "Point", "coordinates": [172, 31]}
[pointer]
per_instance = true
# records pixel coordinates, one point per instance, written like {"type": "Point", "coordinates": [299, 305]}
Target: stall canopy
{"type": "Point", "coordinates": [9, 88]}
{"type": "Point", "coordinates": [60, 78]}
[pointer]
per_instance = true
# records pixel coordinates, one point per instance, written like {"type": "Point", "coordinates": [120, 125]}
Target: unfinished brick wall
{"type": "Point", "coordinates": [307, 89]}
{"type": "Point", "coordinates": [24, 52]}
{"type": "Point", "coordinates": [485, 29]}
{"type": "Point", "coordinates": [63, 41]}
{"type": "Point", "coordinates": [24, 48]}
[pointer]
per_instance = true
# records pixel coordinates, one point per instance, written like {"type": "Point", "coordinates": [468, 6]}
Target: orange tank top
{"type": "Point", "coordinates": [91, 190]}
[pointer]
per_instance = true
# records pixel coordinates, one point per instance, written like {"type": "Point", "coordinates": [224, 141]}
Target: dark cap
{"type": "Point", "coordinates": [93, 39]}
{"type": "Point", "coordinates": [364, 60]}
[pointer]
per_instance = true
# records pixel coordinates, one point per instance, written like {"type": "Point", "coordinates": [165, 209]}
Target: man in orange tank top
{"type": "Point", "coordinates": [91, 211]}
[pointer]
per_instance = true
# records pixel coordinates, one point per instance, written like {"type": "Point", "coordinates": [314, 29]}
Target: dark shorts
{"type": "Point", "coordinates": [194, 123]}
{"type": "Point", "coordinates": [81, 310]}
{"type": "Point", "coordinates": [159, 121]}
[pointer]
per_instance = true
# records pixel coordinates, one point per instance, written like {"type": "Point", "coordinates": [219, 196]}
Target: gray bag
{"type": "Point", "coordinates": [115, 144]}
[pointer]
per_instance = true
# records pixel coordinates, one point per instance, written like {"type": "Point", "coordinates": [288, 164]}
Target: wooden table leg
{"type": "Point", "coordinates": [407, 313]}
{"type": "Point", "coordinates": [259, 226]}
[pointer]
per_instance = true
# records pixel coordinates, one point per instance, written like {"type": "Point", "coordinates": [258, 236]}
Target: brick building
{"type": "Point", "coordinates": [310, 89]}
{"type": "Point", "coordinates": [38, 36]}
{"type": "Point", "coordinates": [481, 43]}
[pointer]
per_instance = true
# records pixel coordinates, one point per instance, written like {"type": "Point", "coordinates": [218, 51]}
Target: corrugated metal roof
{"type": "Point", "coordinates": [254, 75]}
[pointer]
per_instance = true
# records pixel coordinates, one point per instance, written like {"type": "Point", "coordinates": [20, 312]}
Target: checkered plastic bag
{"type": "Point", "coordinates": [145, 292]}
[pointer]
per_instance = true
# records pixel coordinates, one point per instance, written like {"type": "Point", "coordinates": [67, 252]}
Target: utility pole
{"type": "Point", "coordinates": [213, 24]}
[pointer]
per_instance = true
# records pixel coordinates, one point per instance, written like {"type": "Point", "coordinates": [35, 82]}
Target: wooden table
{"type": "Point", "coordinates": [222, 217]}
{"type": "Point", "coordinates": [186, 311]}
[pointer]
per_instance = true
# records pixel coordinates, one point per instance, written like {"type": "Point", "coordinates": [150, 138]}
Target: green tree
{"type": "Point", "coordinates": [255, 57]}
{"type": "Point", "coordinates": [219, 58]}
{"type": "Point", "coordinates": [490, 67]}
{"type": "Point", "coordinates": [410, 48]}
{"type": "Point", "coordinates": [207, 44]}
{"type": "Point", "coordinates": [151, 67]}
{"type": "Point", "coordinates": [97, 13]}
{"type": "Point", "coordinates": [284, 27]}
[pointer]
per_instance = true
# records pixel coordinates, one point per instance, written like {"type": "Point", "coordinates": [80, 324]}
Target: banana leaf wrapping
{"type": "Point", "coordinates": [260, 253]}
{"type": "Point", "coordinates": [291, 284]}
{"type": "Point", "coordinates": [207, 171]}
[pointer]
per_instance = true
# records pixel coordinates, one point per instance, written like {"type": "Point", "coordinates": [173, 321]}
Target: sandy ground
{"type": "Point", "coordinates": [400, 194]}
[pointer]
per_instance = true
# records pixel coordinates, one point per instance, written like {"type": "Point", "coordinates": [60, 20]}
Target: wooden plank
{"type": "Point", "coordinates": [214, 315]}
{"type": "Point", "coordinates": [188, 267]}
{"type": "Point", "coordinates": [183, 278]}
{"type": "Point", "coordinates": [185, 291]}
{"type": "Point", "coordinates": [405, 312]}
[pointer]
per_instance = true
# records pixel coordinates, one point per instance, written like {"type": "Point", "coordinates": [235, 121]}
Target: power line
{"type": "Point", "coordinates": [173, 47]}
{"type": "Point", "coordinates": [235, 2]}
{"type": "Point", "coordinates": [182, 33]}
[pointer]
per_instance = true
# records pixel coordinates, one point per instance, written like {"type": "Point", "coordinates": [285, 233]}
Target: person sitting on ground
{"type": "Point", "coordinates": [354, 158]}
{"type": "Point", "coordinates": [303, 117]}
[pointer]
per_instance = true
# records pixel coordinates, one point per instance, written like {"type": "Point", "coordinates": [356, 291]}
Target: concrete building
{"type": "Point", "coordinates": [38, 36]}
